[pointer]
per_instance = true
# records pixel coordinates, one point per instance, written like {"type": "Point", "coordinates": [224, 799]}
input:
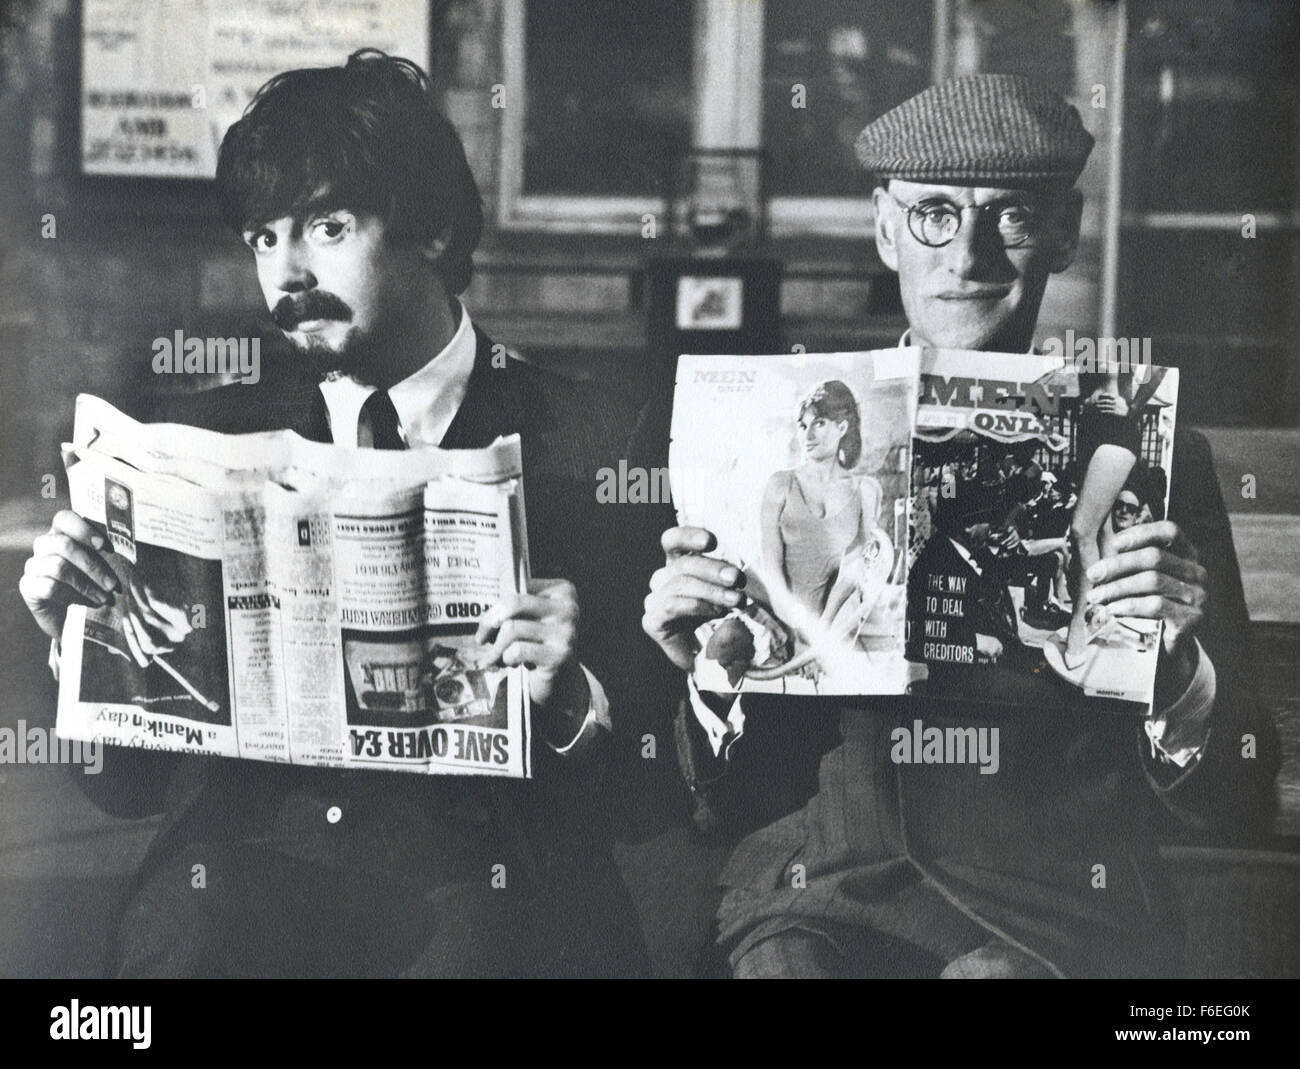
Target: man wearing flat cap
{"type": "Point", "coordinates": [864, 867]}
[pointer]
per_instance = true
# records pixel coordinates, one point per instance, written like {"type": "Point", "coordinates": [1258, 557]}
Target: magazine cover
{"type": "Point", "coordinates": [1024, 470]}
{"type": "Point", "coordinates": [799, 466]}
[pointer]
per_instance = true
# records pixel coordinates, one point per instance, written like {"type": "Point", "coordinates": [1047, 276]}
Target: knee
{"type": "Point", "coordinates": [1080, 535]}
{"type": "Point", "coordinates": [996, 960]}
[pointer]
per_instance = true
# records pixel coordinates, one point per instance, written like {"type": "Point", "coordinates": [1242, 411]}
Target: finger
{"type": "Point", "coordinates": [152, 640]}
{"type": "Point", "coordinates": [142, 608]}
{"type": "Point", "coordinates": [1181, 544]}
{"type": "Point", "coordinates": [519, 631]}
{"type": "Point", "coordinates": [709, 569]}
{"type": "Point", "coordinates": [133, 643]}
{"type": "Point", "coordinates": [69, 523]}
{"type": "Point", "coordinates": [497, 615]}
{"type": "Point", "coordinates": [179, 626]}
{"type": "Point", "coordinates": [1164, 533]}
{"type": "Point", "coordinates": [719, 598]}
{"type": "Point", "coordinates": [522, 607]}
{"type": "Point", "coordinates": [1148, 558]}
{"type": "Point", "coordinates": [679, 540]}
{"type": "Point", "coordinates": [1148, 582]}
{"type": "Point", "coordinates": [666, 611]}
{"type": "Point", "coordinates": [159, 615]}
{"type": "Point", "coordinates": [555, 589]}
{"type": "Point", "coordinates": [53, 577]}
{"type": "Point", "coordinates": [79, 555]}
{"type": "Point", "coordinates": [560, 594]}
{"type": "Point", "coordinates": [173, 621]}
{"type": "Point", "coordinates": [529, 654]}
{"type": "Point", "coordinates": [1149, 607]}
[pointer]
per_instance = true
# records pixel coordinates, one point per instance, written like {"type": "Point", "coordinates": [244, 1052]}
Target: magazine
{"type": "Point", "coordinates": [1009, 449]}
{"type": "Point", "coordinates": [800, 468]}
{"type": "Point", "coordinates": [908, 520]}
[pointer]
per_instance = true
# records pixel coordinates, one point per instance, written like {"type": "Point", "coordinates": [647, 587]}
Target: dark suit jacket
{"type": "Point", "coordinates": [893, 847]}
{"type": "Point", "coordinates": [404, 881]}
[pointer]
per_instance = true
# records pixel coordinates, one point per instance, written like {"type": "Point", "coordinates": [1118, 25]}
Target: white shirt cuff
{"type": "Point", "coordinates": [721, 733]}
{"type": "Point", "coordinates": [1178, 733]}
{"type": "Point", "coordinates": [597, 714]}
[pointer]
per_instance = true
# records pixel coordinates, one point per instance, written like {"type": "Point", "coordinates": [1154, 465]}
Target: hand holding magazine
{"type": "Point", "coordinates": [922, 521]}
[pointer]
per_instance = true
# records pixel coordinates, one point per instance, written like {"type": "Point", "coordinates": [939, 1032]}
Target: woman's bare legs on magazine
{"type": "Point", "coordinates": [1107, 472]}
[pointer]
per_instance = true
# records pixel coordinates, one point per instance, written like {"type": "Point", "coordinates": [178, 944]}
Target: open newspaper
{"type": "Point", "coordinates": [905, 520]}
{"type": "Point", "coordinates": [285, 600]}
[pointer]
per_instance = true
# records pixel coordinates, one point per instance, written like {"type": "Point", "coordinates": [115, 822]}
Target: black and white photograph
{"type": "Point", "coordinates": [651, 489]}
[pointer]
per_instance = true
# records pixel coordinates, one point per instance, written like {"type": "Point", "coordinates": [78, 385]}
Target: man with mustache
{"type": "Point", "coordinates": [1049, 867]}
{"type": "Point", "coordinates": [355, 200]}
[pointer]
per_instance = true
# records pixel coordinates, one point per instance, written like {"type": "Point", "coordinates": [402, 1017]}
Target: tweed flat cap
{"type": "Point", "coordinates": [995, 128]}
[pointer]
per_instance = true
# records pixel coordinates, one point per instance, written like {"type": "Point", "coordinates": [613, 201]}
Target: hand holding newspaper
{"type": "Point", "coordinates": [284, 600]}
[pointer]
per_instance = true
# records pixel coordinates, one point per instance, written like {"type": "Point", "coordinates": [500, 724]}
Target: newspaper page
{"type": "Point", "coordinates": [283, 600]}
{"type": "Point", "coordinates": [799, 466]}
{"type": "Point", "coordinates": [1025, 468]}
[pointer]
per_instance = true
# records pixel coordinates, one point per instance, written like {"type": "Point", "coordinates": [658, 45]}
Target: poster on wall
{"type": "Point", "coordinates": [162, 80]}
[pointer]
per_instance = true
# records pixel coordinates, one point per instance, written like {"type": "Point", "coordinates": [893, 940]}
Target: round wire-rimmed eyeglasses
{"type": "Point", "coordinates": [934, 221]}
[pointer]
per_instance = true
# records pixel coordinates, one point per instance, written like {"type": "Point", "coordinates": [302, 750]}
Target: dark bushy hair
{"type": "Point", "coordinates": [370, 132]}
{"type": "Point", "coordinates": [834, 401]}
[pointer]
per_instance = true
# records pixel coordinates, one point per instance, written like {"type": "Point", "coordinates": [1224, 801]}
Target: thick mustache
{"type": "Point", "coordinates": [293, 309]}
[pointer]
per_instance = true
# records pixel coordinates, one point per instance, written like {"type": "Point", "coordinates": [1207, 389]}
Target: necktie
{"type": "Point", "coordinates": [378, 412]}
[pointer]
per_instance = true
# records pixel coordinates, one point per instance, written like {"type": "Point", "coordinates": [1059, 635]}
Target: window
{"type": "Point", "coordinates": [829, 70]}
{"type": "Point", "coordinates": [607, 108]}
{"type": "Point", "coordinates": [1211, 226]}
{"type": "Point", "coordinates": [615, 90]}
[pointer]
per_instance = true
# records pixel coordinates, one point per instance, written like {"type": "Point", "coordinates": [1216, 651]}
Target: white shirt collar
{"type": "Point", "coordinates": [426, 401]}
{"type": "Point", "coordinates": [906, 340]}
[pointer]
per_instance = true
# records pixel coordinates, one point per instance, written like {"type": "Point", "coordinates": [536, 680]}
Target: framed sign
{"type": "Point", "coordinates": [713, 304]}
{"type": "Point", "coordinates": [709, 303]}
{"type": "Point", "coordinates": [162, 80]}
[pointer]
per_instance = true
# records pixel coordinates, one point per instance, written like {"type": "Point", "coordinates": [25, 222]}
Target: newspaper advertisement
{"type": "Point", "coordinates": [800, 468]}
{"type": "Point", "coordinates": [1025, 468]}
{"type": "Point", "coordinates": [284, 600]}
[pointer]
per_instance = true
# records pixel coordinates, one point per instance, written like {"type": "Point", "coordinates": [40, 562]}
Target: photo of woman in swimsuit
{"type": "Point", "coordinates": [819, 520]}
